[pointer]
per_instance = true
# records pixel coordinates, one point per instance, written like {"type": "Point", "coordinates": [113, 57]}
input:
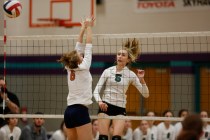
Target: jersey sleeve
{"type": "Point", "coordinates": [158, 133]}
{"type": "Point", "coordinates": [80, 47]}
{"type": "Point", "coordinates": [86, 63]}
{"type": "Point", "coordinates": [136, 134]}
{"type": "Point", "coordinates": [99, 85]}
{"type": "Point", "coordinates": [1, 134]}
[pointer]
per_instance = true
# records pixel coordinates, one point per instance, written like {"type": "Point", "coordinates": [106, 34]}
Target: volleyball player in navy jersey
{"type": "Point", "coordinates": [117, 80]}
{"type": "Point", "coordinates": [77, 63]}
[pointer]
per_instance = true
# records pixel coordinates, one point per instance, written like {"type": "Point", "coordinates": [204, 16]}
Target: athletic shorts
{"type": "Point", "coordinates": [76, 115]}
{"type": "Point", "coordinates": [113, 110]}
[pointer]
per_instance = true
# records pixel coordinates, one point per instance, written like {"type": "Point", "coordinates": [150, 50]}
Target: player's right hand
{"type": "Point", "coordinates": [103, 106]}
{"type": "Point", "coordinates": [87, 22]}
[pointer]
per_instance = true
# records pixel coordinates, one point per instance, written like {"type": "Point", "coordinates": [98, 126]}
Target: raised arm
{"type": "Point", "coordinates": [81, 34]}
{"type": "Point", "coordinates": [85, 25]}
{"type": "Point", "coordinates": [88, 24]}
{"type": "Point", "coordinates": [86, 63]}
{"type": "Point", "coordinates": [12, 103]}
{"type": "Point", "coordinates": [140, 84]}
{"type": "Point", "coordinates": [79, 47]}
{"type": "Point", "coordinates": [14, 107]}
{"type": "Point", "coordinates": [89, 35]}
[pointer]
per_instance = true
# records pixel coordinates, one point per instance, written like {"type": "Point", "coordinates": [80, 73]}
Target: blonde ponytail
{"type": "Point", "coordinates": [132, 46]}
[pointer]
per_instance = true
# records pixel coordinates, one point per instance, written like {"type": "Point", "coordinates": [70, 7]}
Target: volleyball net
{"type": "Point", "coordinates": [177, 71]}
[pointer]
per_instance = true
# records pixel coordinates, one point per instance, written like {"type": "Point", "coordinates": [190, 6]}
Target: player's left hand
{"type": "Point", "coordinates": [87, 22]}
{"type": "Point", "coordinates": [140, 73]}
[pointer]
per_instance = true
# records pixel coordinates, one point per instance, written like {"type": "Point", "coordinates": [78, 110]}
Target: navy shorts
{"type": "Point", "coordinates": [76, 115]}
{"type": "Point", "coordinates": [113, 110]}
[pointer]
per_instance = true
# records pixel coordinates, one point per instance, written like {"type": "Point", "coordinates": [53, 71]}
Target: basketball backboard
{"type": "Point", "coordinates": [66, 13]}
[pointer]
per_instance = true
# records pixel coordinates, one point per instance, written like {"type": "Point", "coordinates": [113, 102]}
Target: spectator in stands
{"type": "Point", "coordinates": [11, 101]}
{"type": "Point", "coordinates": [127, 132]}
{"type": "Point", "coordinates": [183, 113]}
{"type": "Point", "coordinates": [153, 128]}
{"type": "Point", "coordinates": [165, 130]}
{"type": "Point", "coordinates": [142, 132]}
{"type": "Point", "coordinates": [206, 126]}
{"type": "Point", "coordinates": [95, 129]}
{"type": "Point", "coordinates": [60, 134]}
{"type": "Point", "coordinates": [35, 131]}
{"type": "Point", "coordinates": [192, 127]}
{"type": "Point", "coordinates": [10, 131]}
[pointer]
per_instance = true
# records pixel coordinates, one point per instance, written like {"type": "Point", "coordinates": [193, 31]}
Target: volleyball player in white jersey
{"type": "Point", "coordinates": [206, 126]}
{"type": "Point", "coordinates": [117, 80]}
{"type": "Point", "coordinates": [183, 113]}
{"type": "Point", "coordinates": [142, 132]}
{"type": "Point", "coordinates": [165, 130]}
{"type": "Point", "coordinates": [146, 130]}
{"type": "Point", "coordinates": [152, 126]}
{"type": "Point", "coordinates": [76, 117]}
{"type": "Point", "coordinates": [128, 131]}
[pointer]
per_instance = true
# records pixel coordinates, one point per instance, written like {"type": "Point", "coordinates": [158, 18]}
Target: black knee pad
{"type": "Point", "coordinates": [103, 137]}
{"type": "Point", "coordinates": [116, 137]}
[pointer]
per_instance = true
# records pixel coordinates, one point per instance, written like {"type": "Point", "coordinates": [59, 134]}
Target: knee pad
{"type": "Point", "coordinates": [103, 137]}
{"type": "Point", "coordinates": [116, 137]}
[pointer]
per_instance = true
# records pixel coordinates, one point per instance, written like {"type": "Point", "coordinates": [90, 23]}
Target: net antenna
{"type": "Point", "coordinates": [55, 10]}
{"type": "Point", "coordinates": [5, 52]}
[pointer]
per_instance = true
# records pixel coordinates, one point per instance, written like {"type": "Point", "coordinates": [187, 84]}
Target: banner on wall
{"type": "Point", "coordinates": [144, 6]}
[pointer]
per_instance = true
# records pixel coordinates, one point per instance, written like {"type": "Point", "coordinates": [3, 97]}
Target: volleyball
{"type": "Point", "coordinates": [12, 8]}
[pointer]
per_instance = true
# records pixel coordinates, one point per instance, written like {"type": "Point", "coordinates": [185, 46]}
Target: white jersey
{"type": "Point", "coordinates": [206, 133]}
{"type": "Point", "coordinates": [80, 89]}
{"type": "Point", "coordinates": [97, 136]}
{"type": "Point", "coordinates": [6, 134]}
{"type": "Point", "coordinates": [128, 135]}
{"type": "Point", "coordinates": [138, 135]}
{"type": "Point", "coordinates": [178, 128]}
{"type": "Point", "coordinates": [116, 85]}
{"type": "Point", "coordinates": [165, 134]}
{"type": "Point", "coordinates": [153, 133]}
{"type": "Point", "coordinates": [58, 135]}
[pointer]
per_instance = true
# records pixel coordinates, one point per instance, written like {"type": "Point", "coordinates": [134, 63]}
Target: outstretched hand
{"type": "Point", "coordinates": [87, 22]}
